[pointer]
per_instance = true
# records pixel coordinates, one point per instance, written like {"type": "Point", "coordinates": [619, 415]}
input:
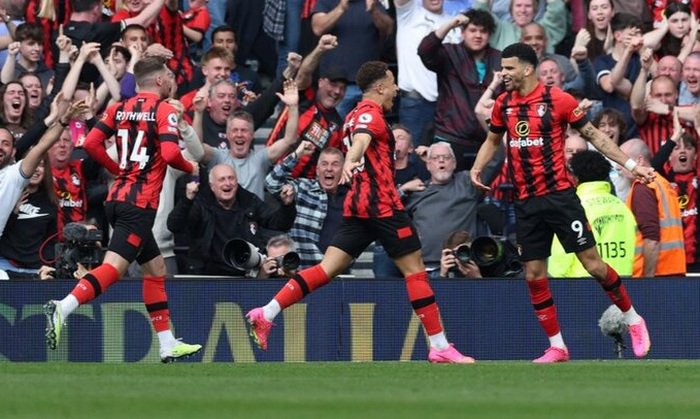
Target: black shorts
{"type": "Point", "coordinates": [540, 217]}
{"type": "Point", "coordinates": [132, 235]}
{"type": "Point", "coordinates": [396, 234]}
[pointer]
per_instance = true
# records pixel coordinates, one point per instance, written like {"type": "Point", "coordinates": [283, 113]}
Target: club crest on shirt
{"type": "Point", "coordinates": [541, 109]}
{"type": "Point", "coordinates": [577, 111]}
{"type": "Point", "coordinates": [75, 179]}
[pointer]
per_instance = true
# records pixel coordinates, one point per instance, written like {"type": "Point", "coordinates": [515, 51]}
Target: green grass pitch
{"type": "Point", "coordinates": [386, 390]}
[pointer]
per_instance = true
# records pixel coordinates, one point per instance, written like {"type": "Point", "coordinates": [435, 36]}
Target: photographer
{"type": "Point", "coordinates": [80, 251]}
{"type": "Point", "coordinates": [229, 211]}
{"type": "Point", "coordinates": [277, 248]}
{"type": "Point", "coordinates": [456, 259]}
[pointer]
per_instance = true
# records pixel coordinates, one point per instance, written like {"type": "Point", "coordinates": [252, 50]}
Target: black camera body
{"type": "Point", "coordinates": [493, 256]}
{"type": "Point", "coordinates": [244, 256]}
{"type": "Point", "coordinates": [80, 245]}
{"type": "Point", "coordinates": [463, 253]}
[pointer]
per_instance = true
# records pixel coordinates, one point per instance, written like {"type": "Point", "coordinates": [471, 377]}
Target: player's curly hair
{"type": "Point", "coordinates": [369, 73]}
{"type": "Point", "coordinates": [523, 52]}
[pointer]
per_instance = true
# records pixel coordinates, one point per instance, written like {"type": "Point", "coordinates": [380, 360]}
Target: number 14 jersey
{"type": "Point", "coordinates": [139, 125]}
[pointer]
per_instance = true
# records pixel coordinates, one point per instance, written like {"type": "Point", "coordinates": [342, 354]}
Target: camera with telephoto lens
{"type": "Point", "coordinates": [463, 253]}
{"type": "Point", "coordinates": [244, 256]}
{"type": "Point", "coordinates": [492, 255]}
{"type": "Point", "coordinates": [80, 245]}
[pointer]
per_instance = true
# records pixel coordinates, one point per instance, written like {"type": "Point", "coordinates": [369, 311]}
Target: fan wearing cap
{"type": "Point", "coordinates": [361, 28]}
{"type": "Point", "coordinates": [319, 121]}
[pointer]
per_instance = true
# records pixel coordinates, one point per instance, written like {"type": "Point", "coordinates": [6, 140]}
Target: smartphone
{"type": "Point", "coordinates": [77, 132]}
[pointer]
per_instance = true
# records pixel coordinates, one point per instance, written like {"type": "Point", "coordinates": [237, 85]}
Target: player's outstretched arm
{"type": "Point", "coordinates": [483, 157]}
{"type": "Point", "coordinates": [605, 145]}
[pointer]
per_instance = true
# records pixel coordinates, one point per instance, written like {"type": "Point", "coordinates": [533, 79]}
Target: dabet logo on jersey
{"type": "Point", "coordinates": [522, 129]}
{"type": "Point", "coordinates": [526, 142]}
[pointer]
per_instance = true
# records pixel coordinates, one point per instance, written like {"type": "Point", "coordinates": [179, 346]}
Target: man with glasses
{"type": "Point", "coordinates": [448, 194]}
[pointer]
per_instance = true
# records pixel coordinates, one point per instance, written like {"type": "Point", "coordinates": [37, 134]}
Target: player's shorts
{"type": "Point", "coordinates": [396, 234]}
{"type": "Point", "coordinates": [540, 217]}
{"type": "Point", "coordinates": [132, 236]}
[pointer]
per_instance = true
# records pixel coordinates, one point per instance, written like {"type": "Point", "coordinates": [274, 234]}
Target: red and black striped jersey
{"type": "Point", "coordinates": [535, 126]}
{"type": "Point", "coordinates": [656, 130]}
{"type": "Point", "coordinates": [171, 35]}
{"type": "Point", "coordinates": [71, 189]}
{"type": "Point", "coordinates": [31, 15]}
{"type": "Point", "coordinates": [686, 186]}
{"type": "Point", "coordinates": [373, 193]}
{"type": "Point", "coordinates": [320, 126]}
{"type": "Point", "coordinates": [167, 31]}
{"type": "Point", "coordinates": [140, 124]}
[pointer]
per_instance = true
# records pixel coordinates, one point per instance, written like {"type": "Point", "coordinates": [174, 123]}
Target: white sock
{"type": "Point", "coordinates": [271, 310]}
{"type": "Point", "coordinates": [68, 305]}
{"type": "Point", "coordinates": [166, 339]}
{"type": "Point", "coordinates": [631, 317]}
{"type": "Point", "coordinates": [557, 341]}
{"type": "Point", "coordinates": [438, 341]}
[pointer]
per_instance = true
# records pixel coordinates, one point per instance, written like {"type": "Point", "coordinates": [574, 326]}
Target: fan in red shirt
{"type": "Point", "coordinates": [535, 118]}
{"type": "Point", "coordinates": [146, 136]}
{"type": "Point", "coordinates": [167, 30]}
{"type": "Point", "coordinates": [372, 212]}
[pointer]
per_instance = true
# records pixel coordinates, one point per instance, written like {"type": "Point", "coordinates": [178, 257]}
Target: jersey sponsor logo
{"type": "Point", "coordinates": [365, 118]}
{"type": "Point", "coordinates": [137, 116]}
{"type": "Point", "coordinates": [577, 112]}
{"type": "Point", "coordinates": [69, 203]}
{"type": "Point", "coordinates": [522, 128]}
{"type": "Point", "coordinates": [689, 212]}
{"type": "Point", "coordinates": [526, 142]}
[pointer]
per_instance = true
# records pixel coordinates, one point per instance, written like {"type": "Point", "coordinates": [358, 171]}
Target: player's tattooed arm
{"type": "Point", "coordinates": [600, 141]}
{"type": "Point", "coordinates": [606, 146]}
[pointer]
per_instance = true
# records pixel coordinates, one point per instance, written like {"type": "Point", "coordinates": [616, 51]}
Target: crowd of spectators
{"type": "Point", "coordinates": [633, 65]}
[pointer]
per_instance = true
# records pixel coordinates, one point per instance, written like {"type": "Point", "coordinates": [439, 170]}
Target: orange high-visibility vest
{"type": "Point", "coordinates": [671, 259]}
